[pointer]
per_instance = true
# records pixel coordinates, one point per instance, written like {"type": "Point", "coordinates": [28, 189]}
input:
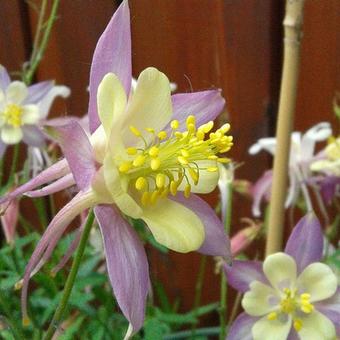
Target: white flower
{"type": "Point", "coordinates": [301, 156]}
{"type": "Point", "coordinates": [290, 300]}
{"type": "Point", "coordinates": [22, 108]}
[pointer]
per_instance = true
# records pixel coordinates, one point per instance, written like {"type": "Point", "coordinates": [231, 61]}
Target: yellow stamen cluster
{"type": "Point", "coordinates": [294, 305]}
{"type": "Point", "coordinates": [12, 115]}
{"type": "Point", "coordinates": [159, 168]}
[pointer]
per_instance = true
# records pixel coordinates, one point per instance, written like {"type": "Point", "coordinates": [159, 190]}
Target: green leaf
{"type": "Point", "coordinates": [155, 329]}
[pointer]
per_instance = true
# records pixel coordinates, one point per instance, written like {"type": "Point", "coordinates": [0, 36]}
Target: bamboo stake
{"type": "Point", "coordinates": [292, 37]}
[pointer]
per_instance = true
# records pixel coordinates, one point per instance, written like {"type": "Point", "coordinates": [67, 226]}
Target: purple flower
{"type": "Point", "coordinates": [146, 154]}
{"type": "Point", "coordinates": [292, 295]}
{"type": "Point", "coordinates": [22, 109]}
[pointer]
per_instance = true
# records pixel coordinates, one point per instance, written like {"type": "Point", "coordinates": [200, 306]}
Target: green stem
{"type": "Point", "coordinates": [29, 73]}
{"type": "Point", "coordinates": [198, 290]}
{"type": "Point", "coordinates": [70, 279]}
{"type": "Point", "coordinates": [16, 330]}
{"type": "Point", "coordinates": [38, 30]}
{"type": "Point", "coordinates": [223, 283]}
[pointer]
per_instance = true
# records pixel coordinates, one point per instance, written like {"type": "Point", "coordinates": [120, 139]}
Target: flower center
{"type": "Point", "coordinates": [12, 115]}
{"type": "Point", "coordinates": [295, 305]}
{"type": "Point", "coordinates": [160, 168]}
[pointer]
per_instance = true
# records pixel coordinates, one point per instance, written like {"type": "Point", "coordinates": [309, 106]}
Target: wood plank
{"type": "Point", "coordinates": [208, 43]}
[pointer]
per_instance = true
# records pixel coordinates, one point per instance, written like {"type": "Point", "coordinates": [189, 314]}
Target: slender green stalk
{"type": "Point", "coordinates": [58, 315]}
{"type": "Point", "coordinates": [12, 322]}
{"type": "Point", "coordinates": [223, 283]}
{"type": "Point", "coordinates": [235, 308]}
{"type": "Point", "coordinates": [39, 52]}
{"type": "Point", "coordinates": [198, 290]}
{"type": "Point", "coordinates": [292, 27]}
{"type": "Point", "coordinates": [38, 30]}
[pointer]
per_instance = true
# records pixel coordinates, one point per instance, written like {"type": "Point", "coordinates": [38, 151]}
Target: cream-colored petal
{"type": "Point", "coordinates": [30, 114]}
{"type": "Point", "coordinates": [318, 280]}
{"type": "Point", "coordinates": [207, 180]}
{"type": "Point", "coordinates": [280, 270]}
{"type": "Point", "coordinates": [2, 98]}
{"type": "Point", "coordinates": [265, 329]}
{"type": "Point", "coordinates": [316, 326]}
{"type": "Point", "coordinates": [16, 92]}
{"type": "Point", "coordinates": [117, 187]}
{"type": "Point", "coordinates": [174, 226]}
{"type": "Point", "coordinates": [11, 135]}
{"type": "Point", "coordinates": [111, 101]}
{"type": "Point", "coordinates": [98, 141]}
{"type": "Point", "coordinates": [149, 107]}
{"type": "Point", "coordinates": [256, 301]}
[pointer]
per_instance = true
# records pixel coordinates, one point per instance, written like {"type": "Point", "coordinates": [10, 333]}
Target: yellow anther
{"type": "Point", "coordinates": [173, 188]}
{"type": "Point", "coordinates": [194, 175]}
{"type": "Point", "coordinates": [225, 149]}
{"type": "Point", "coordinates": [26, 321]}
{"type": "Point", "coordinates": [187, 191]}
{"type": "Point", "coordinates": [182, 160]}
{"type": "Point", "coordinates": [145, 198]}
{"type": "Point", "coordinates": [125, 167]}
{"type": "Point", "coordinates": [297, 325]}
{"type": "Point", "coordinates": [154, 151]}
{"type": "Point", "coordinates": [305, 296]}
{"type": "Point", "coordinates": [200, 135]}
{"type": "Point", "coordinates": [162, 135]}
{"type": "Point", "coordinates": [213, 157]}
{"type": "Point", "coordinates": [174, 124]}
{"type": "Point", "coordinates": [225, 127]}
{"type": "Point", "coordinates": [307, 308]}
{"type": "Point", "coordinates": [139, 161]}
{"type": "Point", "coordinates": [272, 316]}
{"type": "Point", "coordinates": [135, 131]}
{"type": "Point", "coordinates": [212, 169]}
{"type": "Point", "coordinates": [131, 151]}
{"type": "Point", "coordinates": [12, 115]}
{"type": "Point", "coordinates": [160, 180]}
{"type": "Point", "coordinates": [223, 160]}
{"type": "Point", "coordinates": [154, 197]}
{"type": "Point", "coordinates": [207, 127]}
{"type": "Point", "coordinates": [185, 153]}
{"type": "Point", "coordinates": [155, 164]}
{"type": "Point", "coordinates": [141, 183]}
{"type": "Point", "coordinates": [178, 135]}
{"type": "Point", "coordinates": [191, 120]}
{"type": "Point", "coordinates": [151, 130]}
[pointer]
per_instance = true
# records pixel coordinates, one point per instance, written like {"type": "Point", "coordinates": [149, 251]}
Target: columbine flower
{"type": "Point", "coordinates": [301, 156]}
{"type": "Point", "coordinates": [291, 295]}
{"type": "Point", "coordinates": [22, 108]}
{"type": "Point", "coordinates": [329, 170]}
{"type": "Point", "coordinates": [146, 154]}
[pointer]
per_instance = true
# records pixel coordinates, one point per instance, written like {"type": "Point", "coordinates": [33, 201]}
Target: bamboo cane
{"type": "Point", "coordinates": [292, 37]}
